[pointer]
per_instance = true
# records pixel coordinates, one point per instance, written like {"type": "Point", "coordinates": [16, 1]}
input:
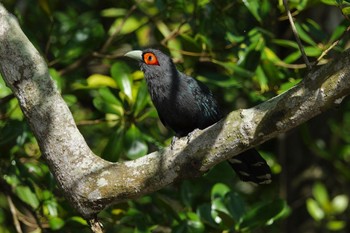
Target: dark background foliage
{"type": "Point", "coordinates": [244, 51]}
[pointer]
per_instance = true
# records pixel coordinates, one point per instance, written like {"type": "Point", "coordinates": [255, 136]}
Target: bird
{"type": "Point", "coordinates": [185, 104]}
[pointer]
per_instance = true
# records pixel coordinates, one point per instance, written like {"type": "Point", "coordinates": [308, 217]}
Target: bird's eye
{"type": "Point", "coordinates": [150, 59]}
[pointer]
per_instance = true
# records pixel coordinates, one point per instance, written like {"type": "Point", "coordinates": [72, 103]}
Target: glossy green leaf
{"type": "Point", "coordinates": [122, 75]}
{"type": "Point", "coordinates": [142, 98]}
{"type": "Point", "coordinates": [218, 204]}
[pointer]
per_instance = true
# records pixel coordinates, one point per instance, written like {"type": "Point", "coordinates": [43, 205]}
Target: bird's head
{"type": "Point", "coordinates": [154, 63]}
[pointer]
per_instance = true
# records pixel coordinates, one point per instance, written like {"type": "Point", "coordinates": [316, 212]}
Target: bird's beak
{"type": "Point", "coordinates": [134, 54]}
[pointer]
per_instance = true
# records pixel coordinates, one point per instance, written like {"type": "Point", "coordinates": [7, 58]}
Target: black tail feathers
{"type": "Point", "coordinates": [251, 167]}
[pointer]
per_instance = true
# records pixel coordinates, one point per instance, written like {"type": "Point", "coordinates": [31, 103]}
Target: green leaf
{"type": "Point", "coordinates": [253, 6]}
{"type": "Point", "coordinates": [330, 2]}
{"type": "Point", "coordinates": [106, 107]}
{"type": "Point", "coordinates": [113, 12]}
{"type": "Point", "coordinates": [187, 193]}
{"type": "Point", "coordinates": [56, 223]}
{"type": "Point", "coordinates": [218, 204]}
{"type": "Point", "coordinates": [194, 225]}
{"type": "Point", "coordinates": [206, 214]}
{"type": "Point", "coordinates": [314, 209]}
{"type": "Point", "coordinates": [346, 10]}
{"type": "Point", "coordinates": [263, 214]}
{"type": "Point", "coordinates": [340, 203]}
{"type": "Point", "coordinates": [142, 99]}
{"type": "Point", "coordinates": [99, 80]}
{"type": "Point", "coordinates": [235, 205]}
{"type": "Point", "coordinates": [127, 26]}
{"type": "Point", "coordinates": [286, 86]}
{"type": "Point", "coordinates": [114, 146]}
{"type": "Point", "coordinates": [109, 97]}
{"type": "Point", "coordinates": [286, 43]}
{"type": "Point", "coordinates": [320, 194]}
{"type": "Point", "coordinates": [304, 35]}
{"type": "Point", "coordinates": [50, 208]}
{"type": "Point", "coordinates": [79, 220]}
{"type": "Point", "coordinates": [336, 225]}
{"type": "Point", "coordinates": [219, 190]}
{"type": "Point", "coordinates": [121, 74]}
{"type": "Point", "coordinates": [25, 194]}
{"type": "Point", "coordinates": [135, 146]}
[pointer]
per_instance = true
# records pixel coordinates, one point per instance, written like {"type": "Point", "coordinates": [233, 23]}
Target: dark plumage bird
{"type": "Point", "coordinates": [185, 104]}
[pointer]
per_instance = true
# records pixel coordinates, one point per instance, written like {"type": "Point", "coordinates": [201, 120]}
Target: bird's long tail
{"type": "Point", "coordinates": [251, 167]}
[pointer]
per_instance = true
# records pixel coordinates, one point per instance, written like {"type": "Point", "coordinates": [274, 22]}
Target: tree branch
{"type": "Point", "coordinates": [91, 183]}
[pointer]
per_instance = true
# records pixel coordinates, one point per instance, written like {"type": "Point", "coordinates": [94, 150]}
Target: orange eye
{"type": "Point", "coordinates": [150, 59]}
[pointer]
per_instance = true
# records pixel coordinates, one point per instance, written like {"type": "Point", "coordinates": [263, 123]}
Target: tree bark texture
{"type": "Point", "coordinates": [91, 183]}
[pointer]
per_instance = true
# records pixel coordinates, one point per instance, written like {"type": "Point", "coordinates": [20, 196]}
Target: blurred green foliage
{"type": "Point", "coordinates": [243, 50]}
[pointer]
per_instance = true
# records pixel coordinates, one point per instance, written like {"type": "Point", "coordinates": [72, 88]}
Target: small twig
{"type": "Point", "coordinates": [117, 31]}
{"type": "Point", "coordinates": [301, 47]}
{"type": "Point", "coordinates": [324, 53]}
{"type": "Point", "coordinates": [75, 64]}
{"type": "Point", "coordinates": [95, 225]}
{"type": "Point", "coordinates": [94, 122]}
{"type": "Point", "coordinates": [173, 34]}
{"type": "Point", "coordinates": [14, 215]}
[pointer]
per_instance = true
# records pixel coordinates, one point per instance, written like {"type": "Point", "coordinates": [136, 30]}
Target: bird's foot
{"type": "Point", "coordinates": [173, 142]}
{"type": "Point", "coordinates": [189, 136]}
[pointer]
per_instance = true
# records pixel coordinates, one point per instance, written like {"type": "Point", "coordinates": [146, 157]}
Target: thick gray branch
{"type": "Point", "coordinates": [90, 183]}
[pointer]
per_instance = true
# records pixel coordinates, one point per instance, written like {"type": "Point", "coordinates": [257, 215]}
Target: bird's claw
{"type": "Point", "coordinates": [173, 142]}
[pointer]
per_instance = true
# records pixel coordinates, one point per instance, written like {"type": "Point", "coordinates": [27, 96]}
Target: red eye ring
{"type": "Point", "coordinates": [150, 59]}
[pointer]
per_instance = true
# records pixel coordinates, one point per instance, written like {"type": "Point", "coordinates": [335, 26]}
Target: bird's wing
{"type": "Point", "coordinates": [205, 101]}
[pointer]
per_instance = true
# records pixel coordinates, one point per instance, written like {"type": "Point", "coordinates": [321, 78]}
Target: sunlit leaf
{"type": "Point", "coordinates": [56, 223]}
{"type": "Point", "coordinates": [320, 194]}
{"type": "Point", "coordinates": [340, 203]}
{"type": "Point", "coordinates": [314, 209]}
{"type": "Point", "coordinates": [113, 12]}
{"type": "Point", "coordinates": [99, 80]}
{"type": "Point", "coordinates": [336, 225]}
{"type": "Point", "coordinates": [122, 75]}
